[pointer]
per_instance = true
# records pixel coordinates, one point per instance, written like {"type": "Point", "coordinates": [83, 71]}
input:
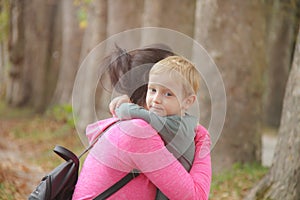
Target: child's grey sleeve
{"type": "Point", "coordinates": [134, 111]}
{"type": "Point", "coordinates": [181, 127]}
{"type": "Point", "coordinates": [179, 133]}
{"type": "Point", "coordinates": [167, 126]}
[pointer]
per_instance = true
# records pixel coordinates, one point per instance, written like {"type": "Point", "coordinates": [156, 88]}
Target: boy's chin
{"type": "Point", "coordinates": [158, 112]}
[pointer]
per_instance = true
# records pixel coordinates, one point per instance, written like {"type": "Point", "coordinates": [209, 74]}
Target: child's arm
{"type": "Point", "coordinates": [134, 111]}
{"type": "Point", "coordinates": [116, 102]}
{"type": "Point", "coordinates": [176, 131]}
{"type": "Point", "coordinates": [168, 126]}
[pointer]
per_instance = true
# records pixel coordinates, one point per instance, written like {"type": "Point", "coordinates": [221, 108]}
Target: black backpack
{"type": "Point", "coordinates": [60, 183]}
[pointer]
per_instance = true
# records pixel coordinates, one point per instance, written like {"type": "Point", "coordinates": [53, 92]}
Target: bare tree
{"type": "Point", "coordinates": [282, 181]}
{"type": "Point", "coordinates": [32, 39]}
{"type": "Point", "coordinates": [71, 47]}
{"type": "Point", "coordinates": [3, 66]}
{"type": "Point", "coordinates": [176, 15]}
{"type": "Point", "coordinates": [4, 10]}
{"type": "Point", "coordinates": [15, 91]}
{"type": "Point", "coordinates": [233, 33]}
{"type": "Point", "coordinates": [123, 16]}
{"type": "Point", "coordinates": [282, 32]}
{"type": "Point", "coordinates": [105, 19]}
{"type": "Point", "coordinates": [86, 80]}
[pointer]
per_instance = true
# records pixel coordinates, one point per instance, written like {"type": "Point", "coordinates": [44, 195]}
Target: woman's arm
{"type": "Point", "coordinates": [175, 130]}
{"type": "Point", "coordinates": [134, 144]}
{"type": "Point", "coordinates": [175, 183]}
{"type": "Point", "coordinates": [171, 178]}
{"type": "Point", "coordinates": [201, 168]}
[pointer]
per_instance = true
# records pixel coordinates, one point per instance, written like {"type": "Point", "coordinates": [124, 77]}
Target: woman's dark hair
{"type": "Point", "coordinates": [129, 71]}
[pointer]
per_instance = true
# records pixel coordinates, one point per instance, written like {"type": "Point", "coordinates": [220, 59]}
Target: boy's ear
{"type": "Point", "coordinates": [188, 101]}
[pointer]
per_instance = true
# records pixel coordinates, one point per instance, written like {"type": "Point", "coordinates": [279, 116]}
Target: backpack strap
{"type": "Point", "coordinates": [94, 141]}
{"type": "Point", "coordinates": [118, 185]}
{"type": "Point", "coordinates": [66, 154]}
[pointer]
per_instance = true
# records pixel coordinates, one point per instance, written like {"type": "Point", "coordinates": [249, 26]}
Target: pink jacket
{"type": "Point", "coordinates": [134, 144]}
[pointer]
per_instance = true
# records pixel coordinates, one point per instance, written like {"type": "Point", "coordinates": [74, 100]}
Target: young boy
{"type": "Point", "coordinates": [172, 87]}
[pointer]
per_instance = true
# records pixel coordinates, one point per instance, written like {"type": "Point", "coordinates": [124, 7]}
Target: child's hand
{"type": "Point", "coordinates": [116, 102]}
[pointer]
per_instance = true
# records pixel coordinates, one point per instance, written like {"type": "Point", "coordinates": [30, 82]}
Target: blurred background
{"type": "Point", "coordinates": [253, 43]}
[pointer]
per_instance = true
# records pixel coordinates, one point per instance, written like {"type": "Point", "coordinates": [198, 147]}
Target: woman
{"type": "Point", "coordinates": [134, 144]}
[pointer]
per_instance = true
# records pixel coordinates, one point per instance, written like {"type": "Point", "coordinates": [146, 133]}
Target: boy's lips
{"type": "Point", "coordinates": [156, 109]}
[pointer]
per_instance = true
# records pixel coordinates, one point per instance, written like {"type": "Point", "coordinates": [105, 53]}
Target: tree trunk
{"type": "Point", "coordinates": [3, 67]}
{"type": "Point", "coordinates": [16, 90]}
{"type": "Point", "coordinates": [124, 15]}
{"type": "Point", "coordinates": [281, 37]}
{"type": "Point", "coordinates": [39, 36]}
{"type": "Point", "coordinates": [177, 15]}
{"type": "Point", "coordinates": [4, 10]}
{"type": "Point", "coordinates": [55, 51]}
{"type": "Point", "coordinates": [84, 93]}
{"type": "Point", "coordinates": [282, 181]}
{"type": "Point", "coordinates": [31, 52]}
{"type": "Point", "coordinates": [71, 47]}
{"type": "Point", "coordinates": [233, 33]}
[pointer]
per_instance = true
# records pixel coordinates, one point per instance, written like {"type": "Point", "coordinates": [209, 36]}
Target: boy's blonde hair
{"type": "Point", "coordinates": [178, 66]}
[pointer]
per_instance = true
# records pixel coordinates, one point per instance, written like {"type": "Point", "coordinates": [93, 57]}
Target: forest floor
{"type": "Point", "coordinates": [26, 147]}
{"type": "Point", "coordinates": [26, 156]}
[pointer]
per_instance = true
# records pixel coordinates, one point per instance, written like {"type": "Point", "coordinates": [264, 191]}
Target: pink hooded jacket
{"type": "Point", "coordinates": [134, 144]}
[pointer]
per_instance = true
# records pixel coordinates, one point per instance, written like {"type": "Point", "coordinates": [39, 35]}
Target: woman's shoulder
{"type": "Point", "coordinates": [202, 134]}
{"type": "Point", "coordinates": [136, 128]}
{"type": "Point", "coordinates": [135, 135]}
{"type": "Point", "coordinates": [202, 141]}
{"type": "Point", "coordinates": [95, 129]}
{"type": "Point", "coordinates": [201, 130]}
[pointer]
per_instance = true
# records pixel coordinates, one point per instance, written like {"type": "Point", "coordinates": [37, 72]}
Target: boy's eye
{"type": "Point", "coordinates": [168, 94]}
{"type": "Point", "coordinates": [152, 89]}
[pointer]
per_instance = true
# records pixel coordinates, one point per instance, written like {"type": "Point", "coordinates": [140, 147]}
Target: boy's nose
{"type": "Point", "coordinates": [157, 98]}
